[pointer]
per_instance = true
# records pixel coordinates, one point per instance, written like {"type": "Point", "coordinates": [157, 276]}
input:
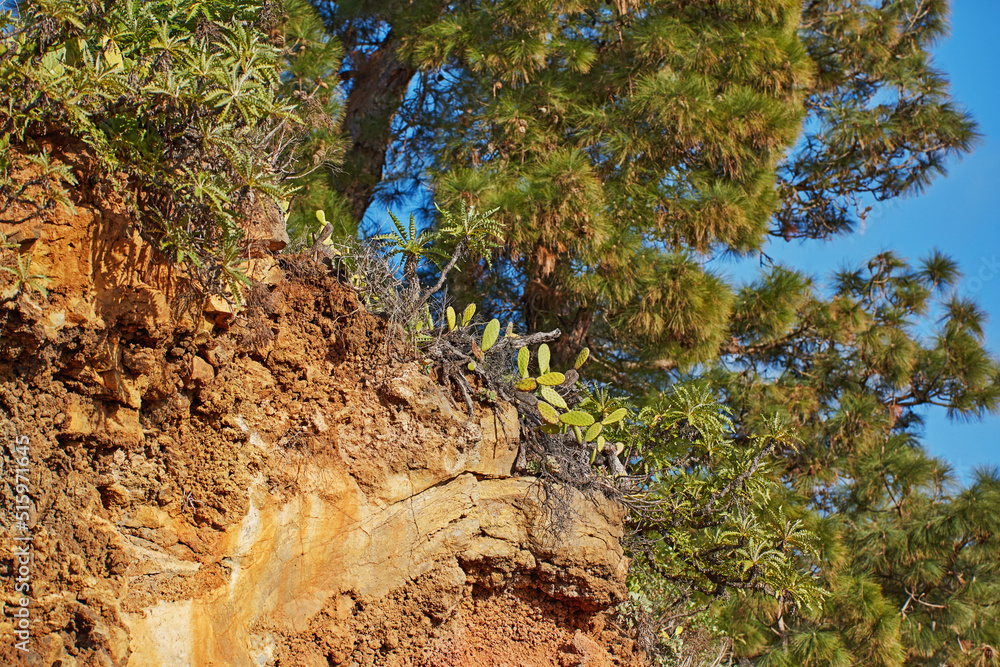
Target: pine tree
{"type": "Point", "coordinates": [310, 82]}
{"type": "Point", "coordinates": [912, 559]}
{"type": "Point", "coordinates": [881, 122]}
{"type": "Point", "coordinates": [601, 132]}
{"type": "Point", "coordinates": [625, 142]}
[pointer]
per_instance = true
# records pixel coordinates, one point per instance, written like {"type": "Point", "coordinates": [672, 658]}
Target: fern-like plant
{"type": "Point", "coordinates": [24, 279]}
{"type": "Point", "coordinates": [411, 245]}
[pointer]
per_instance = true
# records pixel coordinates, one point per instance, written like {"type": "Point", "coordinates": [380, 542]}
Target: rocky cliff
{"type": "Point", "coordinates": [262, 484]}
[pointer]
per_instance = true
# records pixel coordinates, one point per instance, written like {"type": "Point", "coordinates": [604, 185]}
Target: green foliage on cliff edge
{"type": "Point", "coordinates": [706, 514]}
{"type": "Point", "coordinates": [184, 98]}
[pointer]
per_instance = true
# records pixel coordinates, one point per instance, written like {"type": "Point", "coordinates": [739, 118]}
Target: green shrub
{"type": "Point", "coordinates": [180, 96]}
{"type": "Point", "coordinates": [707, 516]}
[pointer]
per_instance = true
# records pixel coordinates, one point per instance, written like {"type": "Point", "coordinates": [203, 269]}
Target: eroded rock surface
{"type": "Point", "coordinates": [215, 484]}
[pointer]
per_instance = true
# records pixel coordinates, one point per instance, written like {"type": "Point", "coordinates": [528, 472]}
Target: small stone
{"type": "Point", "coordinates": [216, 306]}
{"type": "Point", "coordinates": [201, 371]}
{"type": "Point", "coordinates": [584, 645]}
{"type": "Point", "coordinates": [319, 421]}
{"type": "Point", "coordinates": [30, 310]}
{"type": "Point", "coordinates": [266, 270]}
{"type": "Point", "coordinates": [53, 322]}
{"type": "Point", "coordinates": [115, 495]}
{"type": "Point", "coordinates": [122, 423]}
{"type": "Point", "coordinates": [219, 356]}
{"type": "Point", "coordinates": [345, 607]}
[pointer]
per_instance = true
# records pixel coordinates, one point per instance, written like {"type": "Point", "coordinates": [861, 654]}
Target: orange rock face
{"type": "Point", "coordinates": [269, 484]}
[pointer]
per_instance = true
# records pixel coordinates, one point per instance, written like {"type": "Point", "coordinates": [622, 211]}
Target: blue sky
{"type": "Point", "coordinates": [958, 214]}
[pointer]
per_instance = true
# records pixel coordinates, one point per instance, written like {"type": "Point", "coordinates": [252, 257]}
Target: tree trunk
{"type": "Point", "coordinates": [380, 84]}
